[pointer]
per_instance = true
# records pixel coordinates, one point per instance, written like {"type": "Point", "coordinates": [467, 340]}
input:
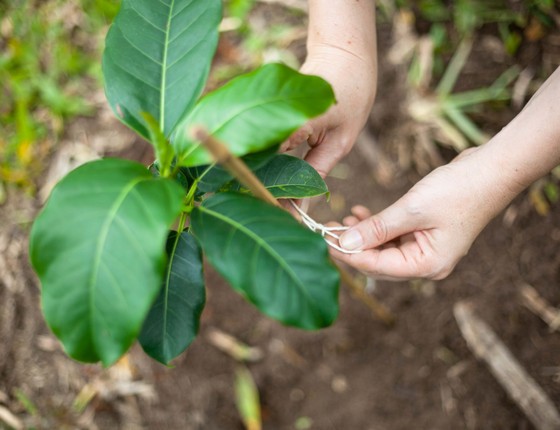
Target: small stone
{"type": "Point", "coordinates": [339, 384]}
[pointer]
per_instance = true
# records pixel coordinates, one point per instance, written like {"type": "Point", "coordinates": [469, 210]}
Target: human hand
{"type": "Point", "coordinates": [427, 231]}
{"type": "Point", "coordinates": [332, 135]}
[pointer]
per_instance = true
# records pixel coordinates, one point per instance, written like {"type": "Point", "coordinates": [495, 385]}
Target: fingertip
{"type": "Point", "coordinates": [360, 212]}
{"type": "Point", "coordinates": [351, 240]}
{"type": "Point", "coordinates": [350, 221]}
{"type": "Point", "coordinates": [285, 147]}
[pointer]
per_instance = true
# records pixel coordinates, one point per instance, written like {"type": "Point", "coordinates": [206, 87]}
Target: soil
{"type": "Point", "coordinates": [357, 374]}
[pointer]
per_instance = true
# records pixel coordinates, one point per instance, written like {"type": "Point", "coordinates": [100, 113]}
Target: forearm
{"type": "Point", "coordinates": [529, 146]}
{"type": "Point", "coordinates": [347, 25]}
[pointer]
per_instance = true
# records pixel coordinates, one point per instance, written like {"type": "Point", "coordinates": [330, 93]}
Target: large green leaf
{"type": "Point", "coordinates": [254, 111]}
{"type": "Point", "coordinates": [173, 321]}
{"type": "Point", "coordinates": [157, 58]}
{"type": "Point", "coordinates": [267, 256]}
{"type": "Point", "coordinates": [288, 177]}
{"type": "Point", "coordinates": [98, 249]}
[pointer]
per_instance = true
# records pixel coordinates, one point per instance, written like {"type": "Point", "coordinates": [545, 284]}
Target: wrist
{"type": "Point", "coordinates": [362, 57]}
{"type": "Point", "coordinates": [343, 25]}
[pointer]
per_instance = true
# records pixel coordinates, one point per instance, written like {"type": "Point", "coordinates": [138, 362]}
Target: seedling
{"type": "Point", "coordinates": [110, 268]}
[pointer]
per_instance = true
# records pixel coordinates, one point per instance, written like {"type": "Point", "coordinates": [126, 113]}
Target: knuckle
{"type": "Point", "coordinates": [345, 145]}
{"type": "Point", "coordinates": [377, 229]}
{"type": "Point", "coordinates": [413, 204]}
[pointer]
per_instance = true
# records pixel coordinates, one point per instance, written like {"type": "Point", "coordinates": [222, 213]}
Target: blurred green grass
{"type": "Point", "coordinates": [49, 64]}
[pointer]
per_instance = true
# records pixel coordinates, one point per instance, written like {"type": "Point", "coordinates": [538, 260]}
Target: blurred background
{"type": "Point", "coordinates": [451, 74]}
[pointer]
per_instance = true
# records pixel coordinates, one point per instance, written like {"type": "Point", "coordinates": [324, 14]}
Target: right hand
{"type": "Point", "coordinates": [426, 232]}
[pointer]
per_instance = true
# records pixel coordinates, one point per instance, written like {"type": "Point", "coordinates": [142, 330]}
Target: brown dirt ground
{"type": "Point", "coordinates": [357, 374]}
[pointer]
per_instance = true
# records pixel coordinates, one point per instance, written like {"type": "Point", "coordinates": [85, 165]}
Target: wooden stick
{"type": "Point", "coordinates": [246, 177]}
{"type": "Point", "coordinates": [523, 389]}
{"type": "Point", "coordinates": [235, 166]}
{"type": "Point", "coordinates": [10, 419]}
{"type": "Point", "coordinates": [539, 306]}
{"type": "Point", "coordinates": [378, 308]}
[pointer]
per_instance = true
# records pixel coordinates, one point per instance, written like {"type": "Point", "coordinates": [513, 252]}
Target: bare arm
{"type": "Point", "coordinates": [348, 25]}
{"type": "Point", "coordinates": [341, 49]}
{"type": "Point", "coordinates": [529, 146]}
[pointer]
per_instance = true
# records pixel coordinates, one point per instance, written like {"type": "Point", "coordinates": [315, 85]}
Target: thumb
{"type": "Point", "coordinates": [393, 222]}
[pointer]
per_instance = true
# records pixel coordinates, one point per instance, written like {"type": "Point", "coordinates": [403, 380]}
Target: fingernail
{"type": "Point", "coordinates": [351, 240]}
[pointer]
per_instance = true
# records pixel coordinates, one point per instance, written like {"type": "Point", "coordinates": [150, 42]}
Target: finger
{"type": "Point", "coordinates": [389, 263]}
{"type": "Point", "coordinates": [297, 138]}
{"type": "Point", "coordinates": [391, 244]}
{"type": "Point", "coordinates": [350, 221]}
{"type": "Point", "coordinates": [361, 212]}
{"type": "Point", "coordinates": [302, 204]}
{"type": "Point", "coordinates": [465, 153]}
{"type": "Point", "coordinates": [324, 157]}
{"type": "Point", "coordinates": [333, 224]}
{"type": "Point", "coordinates": [287, 205]}
{"type": "Point", "coordinates": [378, 229]}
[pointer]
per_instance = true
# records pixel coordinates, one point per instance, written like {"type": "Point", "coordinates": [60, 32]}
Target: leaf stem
{"type": "Point", "coordinates": [190, 195]}
{"type": "Point", "coordinates": [181, 225]}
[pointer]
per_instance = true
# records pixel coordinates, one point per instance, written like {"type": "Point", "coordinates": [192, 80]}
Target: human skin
{"type": "Point", "coordinates": [427, 231]}
{"type": "Point", "coordinates": [341, 48]}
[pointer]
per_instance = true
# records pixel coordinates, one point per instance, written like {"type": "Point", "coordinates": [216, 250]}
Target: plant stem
{"type": "Point", "coordinates": [190, 195]}
{"type": "Point", "coordinates": [247, 178]}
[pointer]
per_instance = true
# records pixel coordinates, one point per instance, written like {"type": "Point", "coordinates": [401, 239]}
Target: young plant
{"type": "Point", "coordinates": [110, 269]}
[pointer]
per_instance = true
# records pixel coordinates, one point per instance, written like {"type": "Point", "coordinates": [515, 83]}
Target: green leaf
{"type": "Point", "coordinates": [173, 321]}
{"type": "Point", "coordinates": [288, 177]}
{"type": "Point", "coordinates": [157, 58]}
{"type": "Point", "coordinates": [212, 178]}
{"type": "Point", "coordinates": [254, 111]}
{"type": "Point", "coordinates": [98, 249]}
{"type": "Point", "coordinates": [268, 257]}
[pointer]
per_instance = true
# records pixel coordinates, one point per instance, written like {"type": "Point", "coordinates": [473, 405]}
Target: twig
{"type": "Point", "coordinates": [539, 306]}
{"type": "Point", "coordinates": [523, 389]}
{"type": "Point", "coordinates": [233, 347]}
{"type": "Point", "coordinates": [378, 308]}
{"type": "Point", "coordinates": [10, 419]}
{"type": "Point", "coordinates": [234, 165]}
{"type": "Point", "coordinates": [247, 178]}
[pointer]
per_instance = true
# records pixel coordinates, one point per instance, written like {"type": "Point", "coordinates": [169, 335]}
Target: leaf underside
{"type": "Point", "coordinates": [267, 256]}
{"type": "Point", "coordinates": [288, 177]}
{"type": "Point", "coordinates": [216, 177]}
{"type": "Point", "coordinates": [98, 249]}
